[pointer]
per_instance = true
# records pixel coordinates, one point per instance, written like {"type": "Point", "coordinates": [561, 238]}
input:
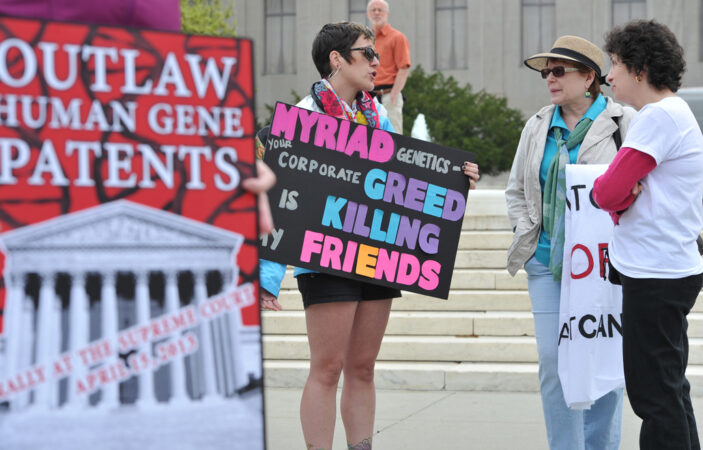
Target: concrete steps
{"type": "Point", "coordinates": [459, 348]}
{"type": "Point", "coordinates": [486, 240]}
{"type": "Point", "coordinates": [514, 377]}
{"type": "Point", "coordinates": [481, 338]}
{"type": "Point", "coordinates": [425, 323]}
{"type": "Point", "coordinates": [462, 279]}
{"type": "Point", "coordinates": [467, 348]}
{"type": "Point", "coordinates": [444, 323]}
{"type": "Point", "coordinates": [459, 300]}
{"type": "Point", "coordinates": [424, 376]}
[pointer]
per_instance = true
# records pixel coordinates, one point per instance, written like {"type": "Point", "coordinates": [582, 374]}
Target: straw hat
{"type": "Point", "coordinates": [571, 48]}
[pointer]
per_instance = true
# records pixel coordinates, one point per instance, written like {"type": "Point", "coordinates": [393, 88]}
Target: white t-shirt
{"type": "Point", "coordinates": [656, 236]}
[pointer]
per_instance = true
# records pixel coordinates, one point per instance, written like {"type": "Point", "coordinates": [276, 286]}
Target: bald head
{"type": "Point", "coordinates": [377, 13]}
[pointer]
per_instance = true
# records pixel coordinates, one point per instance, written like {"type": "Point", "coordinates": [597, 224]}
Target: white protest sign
{"type": "Point", "coordinates": [590, 324]}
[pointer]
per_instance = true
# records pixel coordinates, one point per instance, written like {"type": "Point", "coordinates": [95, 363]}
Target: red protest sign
{"type": "Point", "coordinates": [121, 156]}
{"type": "Point", "coordinates": [90, 115]}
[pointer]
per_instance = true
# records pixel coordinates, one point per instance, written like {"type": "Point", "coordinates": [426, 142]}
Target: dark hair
{"type": "Point", "coordinates": [646, 45]}
{"type": "Point", "coordinates": [594, 88]}
{"type": "Point", "coordinates": [338, 36]}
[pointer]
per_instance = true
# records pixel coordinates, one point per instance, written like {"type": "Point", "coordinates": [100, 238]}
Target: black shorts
{"type": "Point", "coordinates": [322, 288]}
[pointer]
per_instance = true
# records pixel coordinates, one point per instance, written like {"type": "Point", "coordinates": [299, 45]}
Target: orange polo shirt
{"type": "Point", "coordinates": [394, 50]}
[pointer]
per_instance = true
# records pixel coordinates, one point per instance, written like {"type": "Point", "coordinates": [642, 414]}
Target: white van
{"type": "Point", "coordinates": [694, 98]}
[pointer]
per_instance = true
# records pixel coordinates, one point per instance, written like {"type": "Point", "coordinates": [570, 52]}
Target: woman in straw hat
{"type": "Point", "coordinates": [654, 191]}
{"type": "Point", "coordinates": [552, 138]}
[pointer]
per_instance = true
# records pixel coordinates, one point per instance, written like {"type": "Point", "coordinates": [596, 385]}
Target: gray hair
{"type": "Point", "coordinates": [388, 7]}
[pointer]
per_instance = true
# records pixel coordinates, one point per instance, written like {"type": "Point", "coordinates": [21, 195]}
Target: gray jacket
{"type": "Point", "coordinates": [524, 194]}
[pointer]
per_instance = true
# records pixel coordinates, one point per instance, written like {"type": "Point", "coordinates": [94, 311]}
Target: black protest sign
{"type": "Point", "coordinates": [363, 203]}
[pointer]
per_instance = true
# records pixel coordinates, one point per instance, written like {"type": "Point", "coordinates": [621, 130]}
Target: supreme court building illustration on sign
{"type": "Point", "coordinates": [87, 276]}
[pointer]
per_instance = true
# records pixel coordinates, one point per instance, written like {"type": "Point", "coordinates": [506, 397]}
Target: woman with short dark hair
{"type": "Point", "coordinates": [654, 192]}
{"type": "Point", "coordinates": [345, 318]}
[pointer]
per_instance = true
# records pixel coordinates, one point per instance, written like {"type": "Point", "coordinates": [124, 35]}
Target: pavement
{"type": "Point", "coordinates": [439, 420]}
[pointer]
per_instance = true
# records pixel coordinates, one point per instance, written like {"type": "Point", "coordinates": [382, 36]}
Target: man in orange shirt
{"type": "Point", "coordinates": [394, 49]}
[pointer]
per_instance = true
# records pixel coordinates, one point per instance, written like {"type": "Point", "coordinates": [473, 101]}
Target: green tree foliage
{"type": "Point", "coordinates": [478, 122]}
{"type": "Point", "coordinates": [208, 17]}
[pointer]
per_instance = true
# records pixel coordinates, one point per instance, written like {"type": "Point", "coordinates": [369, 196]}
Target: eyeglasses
{"type": "Point", "coordinates": [557, 71]}
{"type": "Point", "coordinates": [369, 53]}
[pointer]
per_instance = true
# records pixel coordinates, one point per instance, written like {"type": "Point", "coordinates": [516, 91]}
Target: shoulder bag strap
{"type": "Point", "coordinates": [616, 135]}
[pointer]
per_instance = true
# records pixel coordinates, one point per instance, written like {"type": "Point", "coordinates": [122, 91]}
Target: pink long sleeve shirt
{"type": "Point", "coordinates": [612, 191]}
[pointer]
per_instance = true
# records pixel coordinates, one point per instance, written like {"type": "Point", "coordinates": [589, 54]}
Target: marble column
{"type": "Point", "coordinates": [146, 378]}
{"type": "Point", "coordinates": [12, 322]}
{"type": "Point", "coordinates": [225, 336]}
{"type": "Point", "coordinates": [110, 397]}
{"type": "Point", "coordinates": [27, 344]}
{"type": "Point", "coordinates": [176, 365]}
{"type": "Point", "coordinates": [239, 368]}
{"type": "Point", "coordinates": [221, 353]}
{"type": "Point", "coordinates": [46, 335]}
{"type": "Point", "coordinates": [56, 350]}
{"type": "Point", "coordinates": [79, 335]}
{"type": "Point", "coordinates": [206, 349]}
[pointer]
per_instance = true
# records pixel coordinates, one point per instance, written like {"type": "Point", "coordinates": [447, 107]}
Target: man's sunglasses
{"type": "Point", "coordinates": [558, 71]}
{"type": "Point", "coordinates": [369, 53]}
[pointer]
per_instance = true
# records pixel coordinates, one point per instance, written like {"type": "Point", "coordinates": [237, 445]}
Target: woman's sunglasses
{"type": "Point", "coordinates": [369, 53]}
{"type": "Point", "coordinates": [558, 71]}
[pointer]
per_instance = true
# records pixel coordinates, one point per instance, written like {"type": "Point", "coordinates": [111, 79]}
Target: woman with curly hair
{"type": "Point", "coordinates": [653, 190]}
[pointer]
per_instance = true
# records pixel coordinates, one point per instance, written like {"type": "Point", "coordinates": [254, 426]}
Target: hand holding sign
{"type": "Point", "coordinates": [471, 170]}
{"type": "Point", "coordinates": [269, 301]}
{"type": "Point", "coordinates": [264, 181]}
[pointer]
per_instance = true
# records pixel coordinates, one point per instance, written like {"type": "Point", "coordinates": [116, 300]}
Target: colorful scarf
{"type": "Point", "coordinates": [554, 201]}
{"type": "Point", "coordinates": [362, 110]}
{"type": "Point", "coordinates": [260, 148]}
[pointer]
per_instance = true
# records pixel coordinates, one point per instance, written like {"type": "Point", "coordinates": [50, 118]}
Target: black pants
{"type": "Point", "coordinates": [655, 356]}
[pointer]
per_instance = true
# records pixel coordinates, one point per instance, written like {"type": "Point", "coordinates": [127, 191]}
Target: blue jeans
{"type": "Point", "coordinates": [597, 428]}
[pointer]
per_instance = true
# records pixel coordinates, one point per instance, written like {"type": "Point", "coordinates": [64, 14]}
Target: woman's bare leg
{"type": "Point", "coordinates": [329, 328]}
{"type": "Point", "coordinates": [359, 393]}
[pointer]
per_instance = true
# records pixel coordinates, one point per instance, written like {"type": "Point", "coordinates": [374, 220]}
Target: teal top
{"type": "Point", "coordinates": [550, 149]}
